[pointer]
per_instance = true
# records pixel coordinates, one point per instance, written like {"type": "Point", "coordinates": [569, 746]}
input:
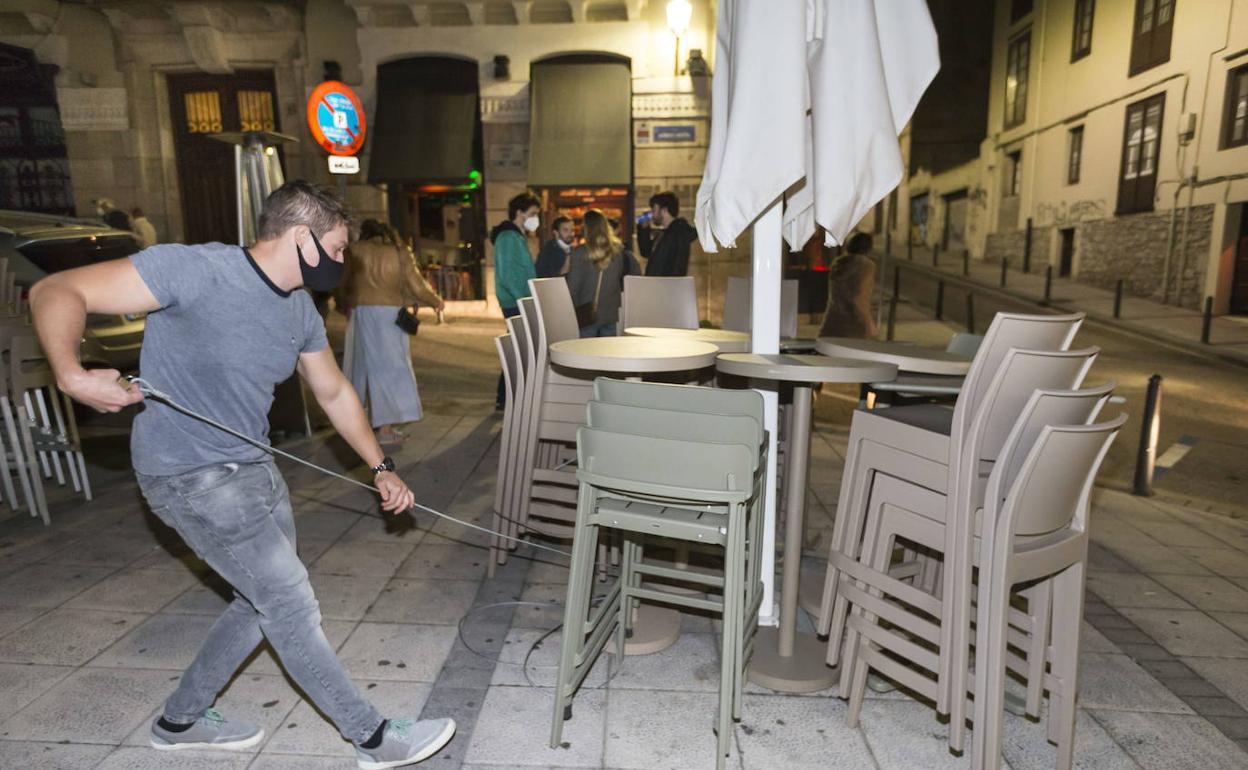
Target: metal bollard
{"type": "Point", "coordinates": [892, 317]}
{"type": "Point", "coordinates": [1118, 299]}
{"type": "Point", "coordinates": [909, 250]}
{"type": "Point", "coordinates": [935, 255]}
{"type": "Point", "coordinates": [1048, 286]}
{"type": "Point", "coordinates": [970, 313]}
{"type": "Point", "coordinates": [1005, 265]}
{"type": "Point", "coordinates": [1026, 248]}
{"type": "Point", "coordinates": [888, 242]}
{"type": "Point", "coordinates": [897, 280]}
{"type": "Point", "coordinates": [1206, 323]}
{"type": "Point", "coordinates": [940, 300]}
{"type": "Point", "coordinates": [966, 261]}
{"type": "Point", "coordinates": [1150, 430]}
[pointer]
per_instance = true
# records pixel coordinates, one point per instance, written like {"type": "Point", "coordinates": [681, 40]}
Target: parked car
{"type": "Point", "coordinates": [38, 244]}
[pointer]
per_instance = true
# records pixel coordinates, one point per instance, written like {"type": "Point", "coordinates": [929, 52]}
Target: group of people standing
{"type": "Point", "coordinates": [595, 268]}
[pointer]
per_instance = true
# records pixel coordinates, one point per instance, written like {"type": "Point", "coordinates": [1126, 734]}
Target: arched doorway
{"type": "Point", "coordinates": [427, 149]}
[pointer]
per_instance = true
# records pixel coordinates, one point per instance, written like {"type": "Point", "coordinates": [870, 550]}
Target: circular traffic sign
{"type": "Point", "coordinates": [336, 118]}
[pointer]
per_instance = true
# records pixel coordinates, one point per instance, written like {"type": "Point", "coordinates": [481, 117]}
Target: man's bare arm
{"type": "Point", "coordinates": [59, 304]}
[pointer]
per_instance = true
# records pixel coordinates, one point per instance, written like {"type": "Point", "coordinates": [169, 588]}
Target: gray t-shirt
{"type": "Point", "coordinates": [224, 338]}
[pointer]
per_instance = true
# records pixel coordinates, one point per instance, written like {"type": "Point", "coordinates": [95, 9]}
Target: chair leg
{"type": "Point", "coordinates": [580, 586]}
{"type": "Point", "coordinates": [1039, 607]}
{"type": "Point", "coordinates": [990, 650]}
{"type": "Point", "coordinates": [877, 548]}
{"type": "Point", "coordinates": [840, 532]}
{"type": "Point", "coordinates": [1067, 614]}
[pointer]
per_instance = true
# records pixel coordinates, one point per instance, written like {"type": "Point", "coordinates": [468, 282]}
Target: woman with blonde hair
{"type": "Point", "coordinates": [382, 277]}
{"type": "Point", "coordinates": [596, 276]}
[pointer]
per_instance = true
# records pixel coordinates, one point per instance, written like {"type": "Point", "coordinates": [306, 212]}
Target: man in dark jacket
{"type": "Point", "coordinates": [667, 251]}
{"type": "Point", "coordinates": [552, 260]}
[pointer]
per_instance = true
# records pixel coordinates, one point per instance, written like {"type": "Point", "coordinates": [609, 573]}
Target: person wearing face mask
{"type": "Point", "coordinates": [513, 267]}
{"type": "Point", "coordinates": [552, 260]}
{"type": "Point", "coordinates": [232, 324]}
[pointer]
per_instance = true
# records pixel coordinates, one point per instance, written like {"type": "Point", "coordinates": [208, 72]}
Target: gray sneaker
{"type": "Point", "coordinates": [211, 731]}
{"type": "Point", "coordinates": [406, 742]}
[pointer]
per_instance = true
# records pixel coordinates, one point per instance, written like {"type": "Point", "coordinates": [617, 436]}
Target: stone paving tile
{"type": "Point", "coordinates": [51, 756]}
{"type": "Point", "coordinates": [437, 561]}
{"type": "Point", "coordinates": [514, 730]}
{"type": "Point", "coordinates": [167, 642]}
{"type": "Point", "coordinates": [134, 590]}
{"type": "Point", "coordinates": [691, 664]}
{"type": "Point", "coordinates": [902, 734]}
{"type": "Point", "coordinates": [22, 683]}
{"type": "Point", "coordinates": [1227, 562]}
{"type": "Point", "coordinates": [91, 705]}
{"type": "Point", "coordinates": [1117, 682]}
{"type": "Point", "coordinates": [345, 598]}
{"type": "Point", "coordinates": [1178, 535]}
{"type": "Point", "coordinates": [1091, 640]}
{"type": "Point", "coordinates": [67, 637]}
{"type": "Point", "coordinates": [550, 597]}
{"type": "Point", "coordinates": [653, 730]}
{"type": "Point", "coordinates": [305, 731]}
{"type": "Point", "coordinates": [1208, 592]}
{"type": "Point", "coordinates": [1236, 621]}
{"type": "Point", "coordinates": [364, 558]}
{"type": "Point", "coordinates": [1230, 676]}
{"type": "Point", "coordinates": [209, 597]}
{"type": "Point", "coordinates": [394, 651]}
{"type": "Point", "coordinates": [105, 550]}
{"type": "Point", "coordinates": [1170, 741]}
{"type": "Point", "coordinates": [1188, 632]}
{"type": "Point", "coordinates": [1026, 745]}
{"type": "Point", "coordinates": [798, 733]}
{"type": "Point", "coordinates": [27, 547]}
{"type": "Point", "coordinates": [49, 585]}
{"type": "Point", "coordinates": [322, 524]}
{"type": "Point", "coordinates": [423, 601]}
{"type": "Point", "coordinates": [312, 548]}
{"type": "Point", "coordinates": [1133, 590]}
{"type": "Point", "coordinates": [543, 663]}
{"type": "Point", "coordinates": [292, 762]}
{"type": "Point", "coordinates": [129, 758]}
{"type": "Point", "coordinates": [176, 557]}
{"type": "Point", "coordinates": [1160, 560]}
{"type": "Point", "coordinates": [13, 619]}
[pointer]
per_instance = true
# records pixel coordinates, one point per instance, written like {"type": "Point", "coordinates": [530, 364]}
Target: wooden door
{"type": "Point", "coordinates": [1239, 284]}
{"type": "Point", "coordinates": [201, 105]}
{"type": "Point", "coordinates": [1068, 253]}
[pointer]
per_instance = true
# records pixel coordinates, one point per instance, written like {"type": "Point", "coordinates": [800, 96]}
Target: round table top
{"type": "Point", "coordinates": [726, 340]}
{"type": "Point", "coordinates": [804, 368]}
{"type": "Point", "coordinates": [906, 357]}
{"type": "Point", "coordinates": [633, 354]}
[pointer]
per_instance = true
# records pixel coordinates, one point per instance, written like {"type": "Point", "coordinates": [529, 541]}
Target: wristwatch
{"type": "Point", "coordinates": [386, 464]}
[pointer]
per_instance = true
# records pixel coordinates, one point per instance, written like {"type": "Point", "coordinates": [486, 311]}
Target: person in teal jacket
{"type": "Point", "coordinates": [513, 266]}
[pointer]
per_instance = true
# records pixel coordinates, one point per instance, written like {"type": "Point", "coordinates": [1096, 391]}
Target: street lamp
{"type": "Point", "coordinates": [679, 12]}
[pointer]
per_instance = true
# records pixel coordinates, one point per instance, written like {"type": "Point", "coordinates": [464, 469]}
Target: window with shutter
{"type": "Point", "coordinates": [1075, 159]}
{"type": "Point", "coordinates": [1081, 43]}
{"type": "Point", "coordinates": [1151, 34]}
{"type": "Point", "coordinates": [1235, 122]}
{"type": "Point", "coordinates": [1018, 59]}
{"type": "Point", "coordinates": [1141, 150]}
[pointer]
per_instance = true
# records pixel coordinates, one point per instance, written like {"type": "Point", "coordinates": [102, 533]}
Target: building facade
{"type": "Point", "coordinates": [1116, 134]}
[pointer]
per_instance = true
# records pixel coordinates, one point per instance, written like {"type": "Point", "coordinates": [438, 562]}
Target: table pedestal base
{"type": "Point", "coordinates": [655, 629]}
{"type": "Point", "coordinates": [810, 594]}
{"type": "Point", "coordinates": [804, 671]}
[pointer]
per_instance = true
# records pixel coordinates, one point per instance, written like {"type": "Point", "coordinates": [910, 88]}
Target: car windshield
{"type": "Point", "coordinates": [52, 256]}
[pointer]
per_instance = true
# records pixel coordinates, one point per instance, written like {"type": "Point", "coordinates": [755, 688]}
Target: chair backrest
{"type": "Point", "coordinates": [510, 364]}
{"type": "Point", "coordinates": [680, 398]}
{"type": "Point", "coordinates": [670, 303]}
{"type": "Point", "coordinates": [1045, 407]}
{"type": "Point", "coordinates": [964, 344]}
{"type": "Point", "coordinates": [556, 314]}
{"type": "Point", "coordinates": [24, 375]}
{"type": "Point", "coordinates": [682, 425]}
{"type": "Point", "coordinates": [518, 336]}
{"type": "Point", "coordinates": [684, 467]}
{"type": "Point", "coordinates": [738, 307]}
{"type": "Point", "coordinates": [1020, 374]}
{"type": "Point", "coordinates": [1009, 330]}
{"type": "Point", "coordinates": [1053, 484]}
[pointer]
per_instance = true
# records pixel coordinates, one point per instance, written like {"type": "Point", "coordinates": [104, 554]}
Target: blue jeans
{"type": "Point", "coordinates": [598, 330]}
{"type": "Point", "coordinates": [237, 518]}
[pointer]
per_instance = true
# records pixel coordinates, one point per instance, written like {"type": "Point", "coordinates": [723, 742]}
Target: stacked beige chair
{"type": "Point", "coordinates": [921, 443]}
{"type": "Point", "coordinates": [686, 466]}
{"type": "Point", "coordinates": [513, 382]}
{"type": "Point", "coordinates": [738, 307]}
{"type": "Point", "coordinates": [670, 303]}
{"type": "Point", "coordinates": [1035, 549]}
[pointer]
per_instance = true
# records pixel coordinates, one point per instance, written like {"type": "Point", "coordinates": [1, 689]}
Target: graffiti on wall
{"type": "Point", "coordinates": [1070, 212]}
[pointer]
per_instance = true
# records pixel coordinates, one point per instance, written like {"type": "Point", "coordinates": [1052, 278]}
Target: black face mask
{"type": "Point", "coordinates": [326, 275]}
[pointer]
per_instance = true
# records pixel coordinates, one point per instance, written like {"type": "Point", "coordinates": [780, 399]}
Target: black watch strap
{"type": "Point", "coordinates": [386, 464]}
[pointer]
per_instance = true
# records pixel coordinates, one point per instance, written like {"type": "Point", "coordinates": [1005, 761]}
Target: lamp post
{"type": "Point", "coordinates": [679, 13]}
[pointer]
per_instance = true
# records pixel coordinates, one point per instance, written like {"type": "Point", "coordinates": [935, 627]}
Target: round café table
{"type": "Point", "coordinates": [726, 340]}
{"type": "Point", "coordinates": [785, 660]}
{"type": "Point", "coordinates": [655, 628]}
{"type": "Point", "coordinates": [904, 356]}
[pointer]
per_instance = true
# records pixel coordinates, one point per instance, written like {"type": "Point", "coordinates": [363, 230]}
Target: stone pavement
{"type": "Point", "coordinates": [1228, 338]}
{"type": "Point", "coordinates": [100, 612]}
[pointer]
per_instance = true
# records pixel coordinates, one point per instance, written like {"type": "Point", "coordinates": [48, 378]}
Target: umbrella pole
{"type": "Point", "coordinates": [765, 338]}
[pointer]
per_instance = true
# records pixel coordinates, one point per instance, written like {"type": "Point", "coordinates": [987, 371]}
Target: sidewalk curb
{"type": "Point", "coordinates": [1105, 323]}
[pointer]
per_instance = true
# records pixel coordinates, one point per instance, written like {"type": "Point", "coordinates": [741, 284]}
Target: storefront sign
{"type": "Point", "coordinates": [677, 133]}
{"type": "Point", "coordinates": [336, 118]}
{"type": "Point", "coordinates": [344, 164]}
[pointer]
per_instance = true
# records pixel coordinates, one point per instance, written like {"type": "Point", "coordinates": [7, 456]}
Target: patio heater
{"type": "Point", "coordinates": [258, 172]}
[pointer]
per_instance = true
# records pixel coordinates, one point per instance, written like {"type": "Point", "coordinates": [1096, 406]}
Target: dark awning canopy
{"type": "Point", "coordinates": [580, 122]}
{"type": "Point", "coordinates": [427, 127]}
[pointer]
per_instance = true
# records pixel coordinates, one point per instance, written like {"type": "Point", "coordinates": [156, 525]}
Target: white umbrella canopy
{"type": "Point", "coordinates": [808, 99]}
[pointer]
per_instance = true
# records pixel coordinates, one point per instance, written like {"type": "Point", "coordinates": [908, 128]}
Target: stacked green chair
{"type": "Point", "coordinates": [676, 464]}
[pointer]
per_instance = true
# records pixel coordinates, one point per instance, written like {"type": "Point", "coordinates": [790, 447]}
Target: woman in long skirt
{"type": "Point", "coordinates": [382, 277]}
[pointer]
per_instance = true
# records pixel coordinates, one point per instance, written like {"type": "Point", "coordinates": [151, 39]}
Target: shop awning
{"type": "Point", "coordinates": [580, 123]}
{"type": "Point", "coordinates": [427, 127]}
